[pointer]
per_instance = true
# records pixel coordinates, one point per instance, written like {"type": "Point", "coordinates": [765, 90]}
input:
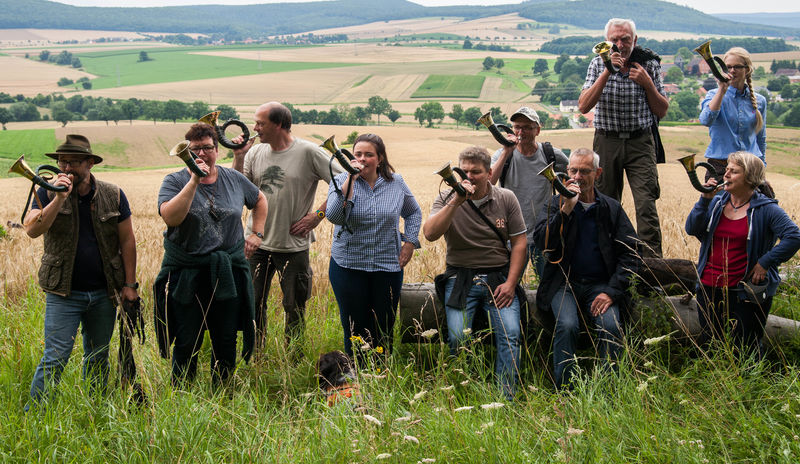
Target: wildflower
{"type": "Point", "coordinates": [379, 349]}
{"type": "Point", "coordinates": [683, 401]}
{"type": "Point", "coordinates": [463, 408]}
{"type": "Point", "coordinates": [532, 388]}
{"type": "Point", "coordinates": [573, 431]}
{"type": "Point", "coordinates": [356, 339]}
{"type": "Point", "coordinates": [447, 388]}
{"type": "Point", "coordinates": [648, 364]}
{"type": "Point", "coordinates": [420, 394]}
{"type": "Point", "coordinates": [427, 460]}
{"type": "Point", "coordinates": [652, 378]}
{"type": "Point", "coordinates": [412, 439]}
{"type": "Point", "coordinates": [492, 405]}
{"type": "Point", "coordinates": [785, 408]}
{"type": "Point", "coordinates": [395, 434]}
{"type": "Point", "coordinates": [464, 382]}
{"type": "Point", "coordinates": [467, 331]}
{"type": "Point", "coordinates": [487, 425]}
{"type": "Point", "coordinates": [372, 419]}
{"type": "Point", "coordinates": [383, 456]}
{"type": "Point", "coordinates": [656, 340]}
{"type": "Point", "coordinates": [429, 333]}
{"type": "Point", "coordinates": [403, 418]}
{"type": "Point", "coordinates": [642, 386]}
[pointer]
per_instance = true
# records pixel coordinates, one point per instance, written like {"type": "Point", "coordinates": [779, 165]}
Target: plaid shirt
{"type": "Point", "coordinates": [373, 215]}
{"type": "Point", "coordinates": [623, 105]}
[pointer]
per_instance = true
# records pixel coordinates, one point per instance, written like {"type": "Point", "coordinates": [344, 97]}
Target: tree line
{"type": "Point", "coordinates": [582, 44]}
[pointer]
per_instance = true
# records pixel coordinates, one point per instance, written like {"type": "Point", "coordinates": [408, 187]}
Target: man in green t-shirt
{"type": "Point", "coordinates": [287, 169]}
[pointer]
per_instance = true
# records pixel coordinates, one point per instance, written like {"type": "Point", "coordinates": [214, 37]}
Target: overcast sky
{"type": "Point", "coordinates": [707, 6]}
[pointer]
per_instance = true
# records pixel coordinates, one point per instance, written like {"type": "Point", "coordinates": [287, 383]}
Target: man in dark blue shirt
{"type": "Point", "coordinates": [589, 245]}
{"type": "Point", "coordinates": [88, 265]}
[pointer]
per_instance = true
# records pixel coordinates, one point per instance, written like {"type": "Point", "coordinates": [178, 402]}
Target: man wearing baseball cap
{"type": "Point", "coordinates": [88, 265]}
{"type": "Point", "coordinates": [517, 168]}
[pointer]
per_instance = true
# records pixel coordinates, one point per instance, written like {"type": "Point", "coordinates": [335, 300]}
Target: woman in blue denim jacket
{"type": "Point", "coordinates": [734, 114]}
{"type": "Point", "coordinates": [737, 230]}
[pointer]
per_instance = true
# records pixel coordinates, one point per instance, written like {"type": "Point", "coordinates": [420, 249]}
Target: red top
{"type": "Point", "coordinates": [728, 261]}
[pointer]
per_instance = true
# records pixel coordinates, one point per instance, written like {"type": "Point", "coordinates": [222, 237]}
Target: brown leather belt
{"type": "Point", "coordinates": [624, 135]}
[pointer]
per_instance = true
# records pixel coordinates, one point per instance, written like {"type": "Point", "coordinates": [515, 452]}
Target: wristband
{"type": "Point", "coordinates": [320, 214]}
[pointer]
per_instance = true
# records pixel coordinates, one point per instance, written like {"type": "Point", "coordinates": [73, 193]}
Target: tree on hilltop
{"type": "Point", "coordinates": [457, 113]}
{"type": "Point", "coordinates": [471, 116]}
{"type": "Point", "coordinates": [429, 111]}
{"type": "Point", "coordinates": [5, 116]}
{"type": "Point", "coordinates": [379, 105]}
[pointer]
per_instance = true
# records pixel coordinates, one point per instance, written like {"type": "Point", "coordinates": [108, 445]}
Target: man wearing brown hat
{"type": "Point", "coordinates": [517, 168]}
{"type": "Point", "coordinates": [88, 265]}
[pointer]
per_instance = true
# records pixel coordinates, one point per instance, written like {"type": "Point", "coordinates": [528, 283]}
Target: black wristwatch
{"type": "Point", "coordinates": [134, 285]}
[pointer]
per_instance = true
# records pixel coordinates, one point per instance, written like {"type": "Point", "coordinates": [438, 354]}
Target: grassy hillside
{"type": "Point", "coordinates": [122, 68]}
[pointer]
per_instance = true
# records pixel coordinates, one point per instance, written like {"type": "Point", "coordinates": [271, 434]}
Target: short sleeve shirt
{"type": "Point", "coordinates": [202, 231]}
{"type": "Point", "coordinates": [471, 243]}
{"type": "Point", "coordinates": [289, 180]}
{"type": "Point", "coordinates": [623, 104]}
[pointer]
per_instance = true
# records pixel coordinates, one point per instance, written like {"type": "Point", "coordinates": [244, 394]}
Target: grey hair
{"type": "Point", "coordinates": [581, 152]}
{"type": "Point", "coordinates": [752, 167]}
{"type": "Point", "coordinates": [620, 22]}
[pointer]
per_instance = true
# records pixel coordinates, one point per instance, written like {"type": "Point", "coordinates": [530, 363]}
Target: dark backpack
{"type": "Point", "coordinates": [549, 155]}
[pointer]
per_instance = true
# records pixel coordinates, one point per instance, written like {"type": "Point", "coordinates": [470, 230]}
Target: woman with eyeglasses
{"type": "Point", "coordinates": [204, 282]}
{"type": "Point", "coordinates": [734, 114]}
{"type": "Point", "coordinates": [369, 252]}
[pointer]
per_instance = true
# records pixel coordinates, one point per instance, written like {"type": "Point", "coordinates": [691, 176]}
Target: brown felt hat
{"type": "Point", "coordinates": [75, 145]}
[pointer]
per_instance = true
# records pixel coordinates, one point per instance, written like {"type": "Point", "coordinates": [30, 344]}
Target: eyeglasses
{"type": "Point", "coordinates": [584, 172]}
{"type": "Point", "coordinates": [738, 67]}
{"type": "Point", "coordinates": [206, 148]}
{"type": "Point", "coordinates": [71, 163]}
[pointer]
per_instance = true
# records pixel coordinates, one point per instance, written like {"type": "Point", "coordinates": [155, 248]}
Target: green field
{"type": "Point", "coordinates": [438, 85]}
{"type": "Point", "coordinates": [122, 68]}
{"type": "Point", "coordinates": [32, 143]}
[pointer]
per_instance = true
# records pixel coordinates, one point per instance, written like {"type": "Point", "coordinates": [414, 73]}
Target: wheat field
{"type": "Point", "coordinates": [415, 154]}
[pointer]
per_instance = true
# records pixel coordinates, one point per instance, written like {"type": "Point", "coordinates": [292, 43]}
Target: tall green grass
{"type": "Point", "coordinates": [659, 407]}
{"type": "Point", "coordinates": [438, 85]}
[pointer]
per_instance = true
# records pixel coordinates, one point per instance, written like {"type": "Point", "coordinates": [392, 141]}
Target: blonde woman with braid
{"type": "Point", "coordinates": [734, 113]}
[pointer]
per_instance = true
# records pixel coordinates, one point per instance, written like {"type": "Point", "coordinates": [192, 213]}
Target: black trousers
{"type": "Point", "coordinates": [219, 317]}
{"type": "Point", "coordinates": [720, 312]}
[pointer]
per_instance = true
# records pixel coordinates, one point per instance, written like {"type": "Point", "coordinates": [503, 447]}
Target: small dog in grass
{"type": "Point", "coordinates": [337, 377]}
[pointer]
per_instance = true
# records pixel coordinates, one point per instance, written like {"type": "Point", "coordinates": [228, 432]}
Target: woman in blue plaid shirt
{"type": "Point", "coordinates": [369, 251]}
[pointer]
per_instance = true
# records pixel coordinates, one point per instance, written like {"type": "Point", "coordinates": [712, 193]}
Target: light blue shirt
{"type": "Point", "coordinates": [373, 215]}
{"type": "Point", "coordinates": [731, 128]}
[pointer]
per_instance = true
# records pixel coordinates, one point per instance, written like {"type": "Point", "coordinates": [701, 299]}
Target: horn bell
{"type": "Point", "coordinates": [554, 177]}
{"type": "Point", "coordinates": [210, 119]}
{"type": "Point", "coordinates": [182, 151]}
{"type": "Point", "coordinates": [21, 168]}
{"type": "Point", "coordinates": [486, 120]}
{"type": "Point", "coordinates": [446, 172]}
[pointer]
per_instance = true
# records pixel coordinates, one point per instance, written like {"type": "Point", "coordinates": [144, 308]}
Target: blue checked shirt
{"type": "Point", "coordinates": [373, 215]}
{"type": "Point", "coordinates": [623, 105]}
{"type": "Point", "coordinates": [731, 127]}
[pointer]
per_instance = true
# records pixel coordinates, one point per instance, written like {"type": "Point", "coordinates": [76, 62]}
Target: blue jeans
{"type": "Point", "coordinates": [504, 322]}
{"type": "Point", "coordinates": [96, 313]}
{"type": "Point", "coordinates": [565, 307]}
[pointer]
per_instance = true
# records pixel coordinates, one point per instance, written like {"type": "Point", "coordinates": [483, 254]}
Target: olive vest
{"type": "Point", "coordinates": [61, 241]}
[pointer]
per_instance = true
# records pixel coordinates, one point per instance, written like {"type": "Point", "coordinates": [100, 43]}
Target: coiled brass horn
{"type": "Point", "coordinates": [554, 177]}
{"type": "Point", "coordinates": [691, 169]}
{"type": "Point", "coordinates": [21, 168]}
{"type": "Point", "coordinates": [447, 174]}
{"type": "Point", "coordinates": [182, 151]}
{"type": "Point", "coordinates": [342, 155]}
{"type": "Point", "coordinates": [211, 120]}
{"type": "Point", "coordinates": [604, 49]}
{"type": "Point", "coordinates": [704, 50]}
{"type": "Point", "coordinates": [487, 121]}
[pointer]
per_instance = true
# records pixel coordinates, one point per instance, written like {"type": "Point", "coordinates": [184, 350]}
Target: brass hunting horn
{"type": "Point", "coordinates": [211, 120]}
{"type": "Point", "coordinates": [487, 121]}
{"type": "Point", "coordinates": [691, 169]}
{"type": "Point", "coordinates": [704, 50]}
{"type": "Point", "coordinates": [21, 168]}
{"type": "Point", "coordinates": [555, 180]}
{"type": "Point", "coordinates": [342, 155]}
{"type": "Point", "coordinates": [181, 150]}
{"type": "Point", "coordinates": [604, 49]}
{"type": "Point", "coordinates": [447, 174]}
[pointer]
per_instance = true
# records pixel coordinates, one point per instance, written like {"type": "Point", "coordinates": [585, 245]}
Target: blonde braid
{"type": "Point", "coordinates": [759, 119]}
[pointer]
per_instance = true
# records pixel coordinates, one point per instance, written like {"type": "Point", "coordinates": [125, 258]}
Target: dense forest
{"type": "Point", "coordinates": [237, 22]}
{"type": "Point", "coordinates": [582, 45]}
